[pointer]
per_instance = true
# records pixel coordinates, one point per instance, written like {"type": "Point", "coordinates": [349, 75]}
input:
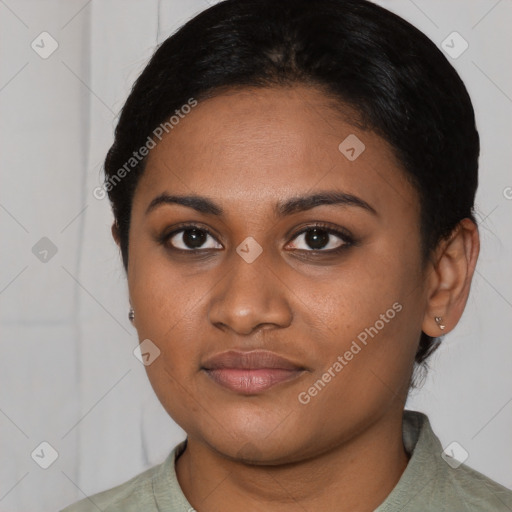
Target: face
{"type": "Point", "coordinates": [335, 286]}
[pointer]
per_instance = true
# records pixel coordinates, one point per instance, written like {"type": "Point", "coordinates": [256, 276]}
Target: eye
{"type": "Point", "coordinates": [191, 238]}
{"type": "Point", "coordinates": [320, 238]}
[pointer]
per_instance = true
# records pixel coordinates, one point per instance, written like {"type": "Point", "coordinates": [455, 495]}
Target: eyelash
{"type": "Point", "coordinates": [347, 239]}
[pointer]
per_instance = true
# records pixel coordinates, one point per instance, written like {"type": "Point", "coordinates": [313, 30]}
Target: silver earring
{"type": "Point", "coordinates": [438, 322]}
{"type": "Point", "coordinates": [131, 315]}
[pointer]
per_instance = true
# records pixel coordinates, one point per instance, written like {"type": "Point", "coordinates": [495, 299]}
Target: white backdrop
{"type": "Point", "coordinates": [68, 375]}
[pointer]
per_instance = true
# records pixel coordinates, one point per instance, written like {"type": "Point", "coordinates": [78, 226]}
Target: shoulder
{"type": "Point", "coordinates": [138, 493]}
{"type": "Point", "coordinates": [135, 494]}
{"type": "Point", "coordinates": [436, 482]}
{"type": "Point", "coordinates": [477, 491]}
{"type": "Point", "coordinates": [451, 483]}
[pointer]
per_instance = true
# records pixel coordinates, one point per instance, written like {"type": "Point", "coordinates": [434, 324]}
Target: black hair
{"type": "Point", "coordinates": [400, 84]}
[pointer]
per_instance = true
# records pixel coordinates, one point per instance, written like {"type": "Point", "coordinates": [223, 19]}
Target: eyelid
{"type": "Point", "coordinates": [339, 231]}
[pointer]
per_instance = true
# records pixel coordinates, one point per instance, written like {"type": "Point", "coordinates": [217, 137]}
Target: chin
{"type": "Point", "coordinates": [255, 446]}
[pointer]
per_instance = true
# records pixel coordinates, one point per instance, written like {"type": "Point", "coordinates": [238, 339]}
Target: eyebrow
{"type": "Point", "coordinates": [282, 208]}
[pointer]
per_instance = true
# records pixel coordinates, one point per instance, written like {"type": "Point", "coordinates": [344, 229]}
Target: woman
{"type": "Point", "coordinates": [293, 192]}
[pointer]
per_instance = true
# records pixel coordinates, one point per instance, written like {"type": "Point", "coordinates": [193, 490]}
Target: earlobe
{"type": "Point", "coordinates": [438, 320]}
{"type": "Point", "coordinates": [450, 279]}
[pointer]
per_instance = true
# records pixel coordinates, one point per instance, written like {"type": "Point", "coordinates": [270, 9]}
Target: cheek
{"type": "Point", "coordinates": [366, 322]}
{"type": "Point", "coordinates": [160, 295]}
{"type": "Point", "coordinates": [365, 365]}
{"type": "Point", "coordinates": [166, 306]}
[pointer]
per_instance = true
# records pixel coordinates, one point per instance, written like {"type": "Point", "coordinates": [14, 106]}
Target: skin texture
{"type": "Point", "coordinates": [246, 151]}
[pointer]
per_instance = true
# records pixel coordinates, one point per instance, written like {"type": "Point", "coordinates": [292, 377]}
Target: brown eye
{"type": "Point", "coordinates": [192, 238]}
{"type": "Point", "coordinates": [319, 238]}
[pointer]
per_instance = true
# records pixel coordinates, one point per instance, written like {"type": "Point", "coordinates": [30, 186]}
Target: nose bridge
{"type": "Point", "coordinates": [250, 294]}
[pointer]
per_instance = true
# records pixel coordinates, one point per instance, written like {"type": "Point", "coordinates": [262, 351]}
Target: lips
{"type": "Point", "coordinates": [251, 372]}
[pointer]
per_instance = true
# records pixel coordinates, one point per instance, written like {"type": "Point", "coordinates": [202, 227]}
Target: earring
{"type": "Point", "coordinates": [438, 320]}
{"type": "Point", "coordinates": [131, 315]}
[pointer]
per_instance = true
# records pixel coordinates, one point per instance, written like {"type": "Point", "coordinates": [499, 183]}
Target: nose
{"type": "Point", "coordinates": [251, 296]}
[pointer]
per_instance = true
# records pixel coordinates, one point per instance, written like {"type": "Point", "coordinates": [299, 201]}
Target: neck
{"type": "Point", "coordinates": [357, 474]}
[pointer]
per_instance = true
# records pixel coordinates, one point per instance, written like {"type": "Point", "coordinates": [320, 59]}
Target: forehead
{"type": "Point", "coordinates": [254, 145]}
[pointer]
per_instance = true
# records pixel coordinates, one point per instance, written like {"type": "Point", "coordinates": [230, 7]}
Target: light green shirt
{"type": "Point", "coordinates": [428, 483]}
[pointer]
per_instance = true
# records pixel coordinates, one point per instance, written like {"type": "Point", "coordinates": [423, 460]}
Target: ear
{"type": "Point", "coordinates": [115, 233]}
{"type": "Point", "coordinates": [449, 280]}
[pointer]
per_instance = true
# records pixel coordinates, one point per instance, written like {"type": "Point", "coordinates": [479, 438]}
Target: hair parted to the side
{"type": "Point", "coordinates": [353, 51]}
